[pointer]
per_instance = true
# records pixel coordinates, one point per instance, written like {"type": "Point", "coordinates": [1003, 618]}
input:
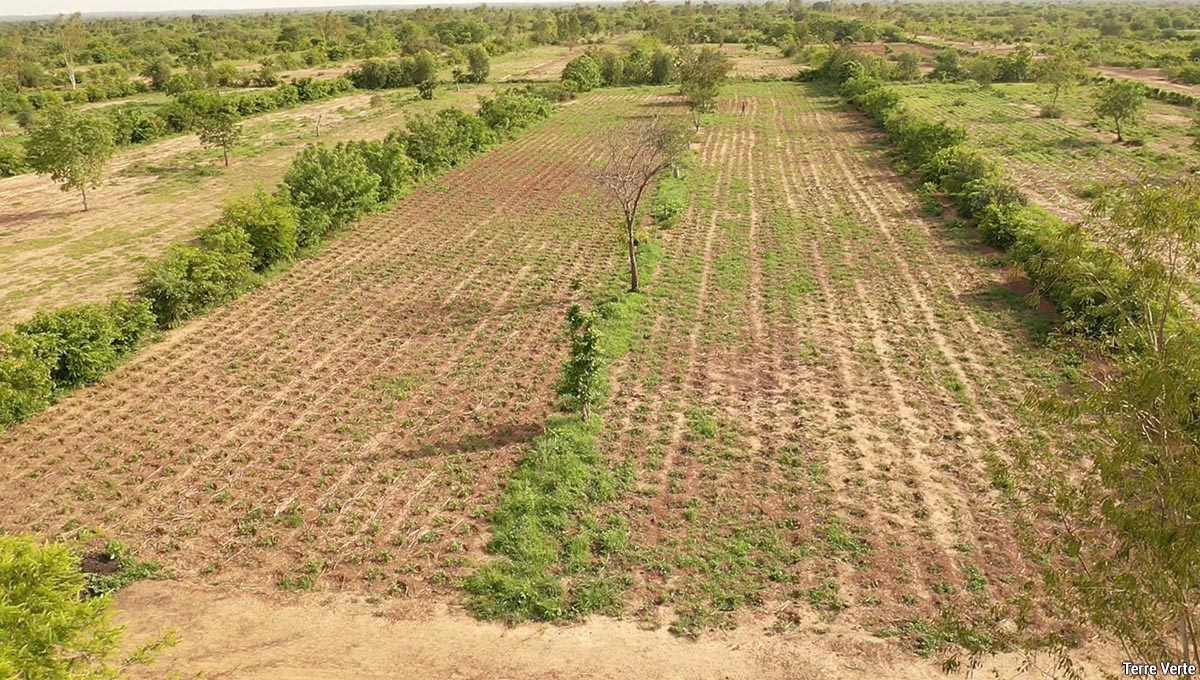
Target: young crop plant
{"type": "Point", "coordinates": [582, 379]}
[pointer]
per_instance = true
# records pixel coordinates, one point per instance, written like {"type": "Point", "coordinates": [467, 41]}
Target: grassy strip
{"type": "Point", "coordinates": [555, 552]}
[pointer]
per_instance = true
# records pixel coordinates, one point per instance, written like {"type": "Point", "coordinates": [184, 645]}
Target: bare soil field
{"type": "Point", "coordinates": [763, 62]}
{"type": "Point", "coordinates": [53, 254]}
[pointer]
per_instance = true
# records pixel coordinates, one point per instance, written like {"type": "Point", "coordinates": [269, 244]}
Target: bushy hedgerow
{"type": "Point", "coordinates": [1072, 271]}
{"type": "Point", "coordinates": [379, 74]}
{"type": "Point", "coordinates": [388, 160]}
{"type": "Point", "coordinates": [510, 111]}
{"type": "Point", "coordinates": [193, 277]}
{"type": "Point", "coordinates": [80, 344]}
{"type": "Point", "coordinates": [326, 187]}
{"type": "Point", "coordinates": [270, 226]}
{"type": "Point", "coordinates": [442, 140]}
{"type": "Point", "coordinates": [330, 187]}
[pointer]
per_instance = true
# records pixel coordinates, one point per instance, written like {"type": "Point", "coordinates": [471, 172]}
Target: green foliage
{"type": "Point", "coordinates": [270, 226]}
{"type": "Point", "coordinates": [919, 140]}
{"type": "Point", "coordinates": [330, 187]}
{"type": "Point", "coordinates": [192, 278]}
{"type": "Point", "coordinates": [582, 73]}
{"type": "Point", "coordinates": [378, 74]}
{"type": "Point", "coordinates": [388, 161]}
{"type": "Point", "coordinates": [25, 383]}
{"type": "Point", "coordinates": [512, 110]}
{"type": "Point", "coordinates": [955, 167]}
{"type": "Point", "coordinates": [47, 631]}
{"type": "Point", "coordinates": [478, 64]}
{"type": "Point", "coordinates": [12, 161]}
{"type": "Point", "coordinates": [701, 74]}
{"type": "Point", "coordinates": [80, 344]}
{"type": "Point", "coordinates": [581, 384]}
{"type": "Point", "coordinates": [441, 141]}
{"type": "Point", "coordinates": [72, 147]}
{"type": "Point", "coordinates": [219, 130]}
{"type": "Point", "coordinates": [125, 570]}
{"type": "Point", "coordinates": [670, 200]}
{"type": "Point", "coordinates": [1121, 101]}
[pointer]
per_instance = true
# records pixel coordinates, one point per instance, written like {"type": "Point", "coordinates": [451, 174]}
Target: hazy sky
{"type": "Point", "coordinates": [42, 7]}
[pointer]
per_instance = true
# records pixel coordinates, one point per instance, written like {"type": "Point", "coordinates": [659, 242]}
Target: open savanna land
{"type": "Point", "coordinates": [811, 430]}
{"type": "Point", "coordinates": [53, 254]}
{"type": "Point", "coordinates": [1059, 162]}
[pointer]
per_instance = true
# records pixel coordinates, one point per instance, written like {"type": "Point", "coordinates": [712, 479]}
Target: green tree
{"type": "Point", "coordinates": [1121, 101]}
{"type": "Point", "coordinates": [582, 73]}
{"type": "Point", "coordinates": [1126, 544]}
{"type": "Point", "coordinates": [47, 630]}
{"type": "Point", "coordinates": [635, 155]}
{"type": "Point", "coordinates": [219, 129]}
{"type": "Point", "coordinates": [908, 65]}
{"type": "Point", "coordinates": [159, 72]}
{"type": "Point", "coordinates": [72, 147]}
{"type": "Point", "coordinates": [269, 223]}
{"type": "Point", "coordinates": [426, 88]}
{"type": "Point", "coordinates": [701, 74]}
{"type": "Point", "coordinates": [478, 63]}
{"type": "Point", "coordinates": [1059, 72]}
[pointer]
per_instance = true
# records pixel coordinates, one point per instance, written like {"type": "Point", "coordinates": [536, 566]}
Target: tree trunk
{"type": "Point", "coordinates": [1118, 122]}
{"type": "Point", "coordinates": [633, 268]}
{"type": "Point", "coordinates": [225, 152]}
{"type": "Point", "coordinates": [71, 70]}
{"type": "Point", "coordinates": [83, 191]}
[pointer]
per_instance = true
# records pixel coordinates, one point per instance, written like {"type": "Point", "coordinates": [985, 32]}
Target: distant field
{"type": "Point", "coordinates": [1058, 161]}
{"type": "Point", "coordinates": [52, 254]}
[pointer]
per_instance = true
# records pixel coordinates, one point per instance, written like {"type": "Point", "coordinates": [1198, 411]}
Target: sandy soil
{"type": "Point", "coordinates": [227, 633]}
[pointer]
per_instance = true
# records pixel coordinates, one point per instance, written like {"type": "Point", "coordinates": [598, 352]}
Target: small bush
{"type": "Point", "coordinates": [25, 383]}
{"type": "Point", "coordinates": [12, 161]}
{"type": "Point", "coordinates": [330, 187]}
{"type": "Point", "coordinates": [1051, 111]}
{"type": "Point", "coordinates": [82, 343]}
{"type": "Point", "coordinates": [270, 226]}
{"type": "Point", "coordinates": [669, 201]}
{"type": "Point", "coordinates": [931, 204]}
{"type": "Point", "coordinates": [192, 278]}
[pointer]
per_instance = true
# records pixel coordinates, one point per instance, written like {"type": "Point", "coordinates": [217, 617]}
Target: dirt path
{"type": "Point", "coordinates": [234, 634]}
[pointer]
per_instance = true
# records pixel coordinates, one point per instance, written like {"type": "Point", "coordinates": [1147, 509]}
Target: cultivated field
{"type": "Point", "coordinates": [348, 423]}
{"type": "Point", "coordinates": [824, 398]}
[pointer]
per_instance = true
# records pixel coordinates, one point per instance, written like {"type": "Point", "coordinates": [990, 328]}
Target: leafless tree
{"type": "Point", "coordinates": [634, 155]}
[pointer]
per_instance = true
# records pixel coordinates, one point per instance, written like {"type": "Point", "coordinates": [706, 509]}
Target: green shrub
{"type": "Point", "coordinates": [330, 188]}
{"type": "Point", "coordinates": [82, 343]}
{"type": "Point", "coordinates": [25, 383]}
{"type": "Point", "coordinates": [918, 140]}
{"type": "Point", "coordinates": [878, 102]}
{"type": "Point", "coordinates": [582, 73]}
{"type": "Point", "coordinates": [445, 139]}
{"type": "Point", "coordinates": [511, 111]}
{"type": "Point", "coordinates": [270, 226]}
{"type": "Point", "coordinates": [192, 278]}
{"type": "Point", "coordinates": [12, 161]}
{"type": "Point", "coordinates": [978, 194]}
{"type": "Point", "coordinates": [954, 167]}
{"type": "Point", "coordinates": [931, 204]}
{"type": "Point", "coordinates": [47, 631]}
{"type": "Point", "coordinates": [387, 160]}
